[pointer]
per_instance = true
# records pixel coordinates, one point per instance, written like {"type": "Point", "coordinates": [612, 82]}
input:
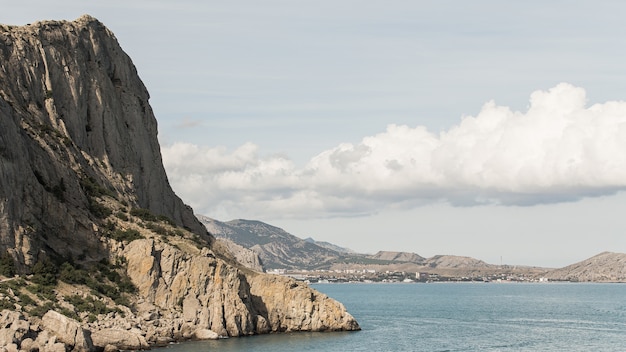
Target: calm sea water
{"type": "Point", "coordinates": [459, 317]}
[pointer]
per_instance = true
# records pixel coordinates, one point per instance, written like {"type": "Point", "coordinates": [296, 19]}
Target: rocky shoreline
{"type": "Point", "coordinates": [181, 296]}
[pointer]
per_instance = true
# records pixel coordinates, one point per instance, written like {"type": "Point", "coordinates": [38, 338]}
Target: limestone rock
{"type": "Point", "coordinates": [122, 339]}
{"type": "Point", "coordinates": [7, 336]}
{"type": "Point", "coordinates": [206, 334]}
{"type": "Point", "coordinates": [73, 111]}
{"type": "Point", "coordinates": [67, 330]}
{"type": "Point", "coordinates": [78, 139]}
{"type": "Point", "coordinates": [245, 256]}
{"type": "Point", "coordinates": [227, 300]}
{"type": "Point", "coordinates": [293, 306]}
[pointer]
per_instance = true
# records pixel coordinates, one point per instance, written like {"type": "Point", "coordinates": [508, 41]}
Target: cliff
{"type": "Point", "coordinates": [88, 219]}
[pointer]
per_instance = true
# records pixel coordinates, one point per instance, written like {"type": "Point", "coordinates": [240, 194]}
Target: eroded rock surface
{"type": "Point", "coordinates": [78, 153]}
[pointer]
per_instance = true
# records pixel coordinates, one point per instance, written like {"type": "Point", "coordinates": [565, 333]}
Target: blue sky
{"type": "Point", "coordinates": [487, 128]}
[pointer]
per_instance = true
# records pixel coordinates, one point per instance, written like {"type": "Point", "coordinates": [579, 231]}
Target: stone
{"type": "Point", "coordinates": [110, 348]}
{"type": "Point", "coordinates": [29, 345]}
{"type": "Point", "coordinates": [54, 347]}
{"type": "Point", "coordinates": [7, 336]}
{"type": "Point", "coordinates": [122, 339]}
{"type": "Point", "coordinates": [67, 331]}
{"type": "Point", "coordinates": [205, 334]}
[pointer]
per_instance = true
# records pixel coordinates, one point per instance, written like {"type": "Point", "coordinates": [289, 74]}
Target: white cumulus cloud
{"type": "Point", "coordinates": [558, 150]}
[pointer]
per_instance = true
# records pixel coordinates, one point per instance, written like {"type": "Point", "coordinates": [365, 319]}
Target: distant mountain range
{"type": "Point", "coordinates": [278, 249]}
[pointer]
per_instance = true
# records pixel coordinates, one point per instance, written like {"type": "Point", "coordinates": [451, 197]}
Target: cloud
{"type": "Point", "coordinates": [559, 150]}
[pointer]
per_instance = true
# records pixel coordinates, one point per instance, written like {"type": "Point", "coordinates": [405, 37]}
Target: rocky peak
{"type": "Point", "coordinates": [74, 119]}
{"type": "Point", "coordinates": [82, 187]}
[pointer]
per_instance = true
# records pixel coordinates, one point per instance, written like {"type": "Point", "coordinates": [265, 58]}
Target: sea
{"type": "Point", "coordinates": [446, 317]}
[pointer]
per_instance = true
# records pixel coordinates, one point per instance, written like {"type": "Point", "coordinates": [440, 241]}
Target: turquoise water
{"type": "Point", "coordinates": [459, 317]}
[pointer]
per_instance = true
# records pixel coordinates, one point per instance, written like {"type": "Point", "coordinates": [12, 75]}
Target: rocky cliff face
{"type": "Point", "coordinates": [81, 182]}
{"type": "Point", "coordinates": [73, 114]}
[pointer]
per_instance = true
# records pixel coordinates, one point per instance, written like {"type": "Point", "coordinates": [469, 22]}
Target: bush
{"type": "Point", "coordinates": [93, 189]}
{"type": "Point", "coordinates": [39, 311]}
{"type": "Point", "coordinates": [7, 266]}
{"type": "Point", "coordinates": [143, 214]}
{"type": "Point", "coordinates": [71, 275]}
{"type": "Point", "coordinates": [7, 304]}
{"type": "Point", "coordinates": [44, 273]}
{"type": "Point", "coordinates": [45, 293]}
{"type": "Point", "coordinates": [98, 210]}
{"type": "Point", "coordinates": [157, 229]}
{"type": "Point", "coordinates": [126, 235]}
{"type": "Point", "coordinates": [25, 300]}
{"type": "Point", "coordinates": [89, 304]}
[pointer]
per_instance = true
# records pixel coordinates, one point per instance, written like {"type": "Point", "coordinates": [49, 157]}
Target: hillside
{"type": "Point", "coordinates": [398, 257]}
{"type": "Point", "coordinates": [281, 250]}
{"type": "Point", "coordinates": [96, 250]}
{"type": "Point", "coordinates": [275, 247]}
{"type": "Point", "coordinates": [604, 267]}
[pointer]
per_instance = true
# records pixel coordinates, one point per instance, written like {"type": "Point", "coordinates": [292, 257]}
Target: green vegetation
{"type": "Point", "coordinates": [146, 215]}
{"type": "Point", "coordinates": [102, 278]}
{"type": "Point", "coordinates": [7, 303]}
{"type": "Point", "coordinates": [143, 214]}
{"type": "Point", "coordinates": [7, 266]}
{"type": "Point", "coordinates": [98, 210]}
{"type": "Point", "coordinates": [14, 285]}
{"type": "Point", "coordinates": [158, 229]}
{"type": "Point", "coordinates": [45, 273]}
{"type": "Point", "coordinates": [89, 304]}
{"type": "Point", "coordinates": [93, 189]}
{"type": "Point", "coordinates": [120, 215]}
{"type": "Point", "coordinates": [40, 310]}
{"type": "Point", "coordinates": [128, 235]}
{"type": "Point", "coordinates": [25, 299]}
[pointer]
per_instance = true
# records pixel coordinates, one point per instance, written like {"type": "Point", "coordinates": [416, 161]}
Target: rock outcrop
{"type": "Point", "coordinates": [82, 186]}
{"type": "Point", "coordinates": [245, 256]}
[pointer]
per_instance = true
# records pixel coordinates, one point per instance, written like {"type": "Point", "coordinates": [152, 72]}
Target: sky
{"type": "Point", "coordinates": [489, 129]}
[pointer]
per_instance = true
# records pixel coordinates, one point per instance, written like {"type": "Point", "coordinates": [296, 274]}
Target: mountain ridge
{"type": "Point", "coordinates": [604, 267]}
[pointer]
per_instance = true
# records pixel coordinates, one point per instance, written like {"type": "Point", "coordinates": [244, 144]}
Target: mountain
{"type": "Point", "coordinates": [330, 246]}
{"type": "Point", "coordinates": [279, 249]}
{"type": "Point", "coordinates": [276, 248]}
{"type": "Point", "coordinates": [398, 257]}
{"type": "Point", "coordinates": [106, 255]}
{"type": "Point", "coordinates": [604, 267]}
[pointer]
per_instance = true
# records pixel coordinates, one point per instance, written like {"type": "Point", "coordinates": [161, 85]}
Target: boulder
{"type": "Point", "coordinates": [206, 334]}
{"type": "Point", "coordinates": [7, 336]}
{"type": "Point", "coordinates": [122, 339]}
{"type": "Point", "coordinates": [67, 331]}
